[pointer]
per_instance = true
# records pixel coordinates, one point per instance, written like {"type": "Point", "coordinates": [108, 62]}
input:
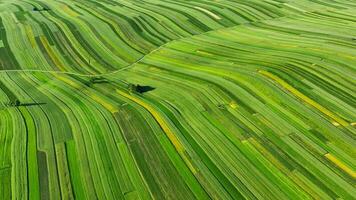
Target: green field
{"type": "Point", "coordinates": [178, 99]}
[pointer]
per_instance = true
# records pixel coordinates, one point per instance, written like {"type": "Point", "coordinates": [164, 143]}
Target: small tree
{"type": "Point", "coordinates": [15, 103]}
{"type": "Point", "coordinates": [132, 88]}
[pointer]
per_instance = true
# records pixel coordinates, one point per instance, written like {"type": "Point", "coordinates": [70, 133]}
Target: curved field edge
{"type": "Point", "coordinates": [64, 35]}
{"type": "Point", "coordinates": [259, 111]}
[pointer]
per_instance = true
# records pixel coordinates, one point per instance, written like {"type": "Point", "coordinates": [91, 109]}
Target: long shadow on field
{"type": "Point", "coordinates": [17, 103]}
{"type": "Point", "coordinates": [32, 104]}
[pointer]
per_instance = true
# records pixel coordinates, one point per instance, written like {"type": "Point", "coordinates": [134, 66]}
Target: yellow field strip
{"type": "Point", "coordinates": [306, 99]}
{"type": "Point", "coordinates": [160, 120]}
{"type": "Point", "coordinates": [341, 165]}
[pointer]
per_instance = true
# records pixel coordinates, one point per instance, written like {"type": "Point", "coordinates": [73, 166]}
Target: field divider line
{"type": "Point", "coordinates": [149, 53]}
{"type": "Point", "coordinates": [142, 57]}
{"type": "Point", "coordinates": [86, 75]}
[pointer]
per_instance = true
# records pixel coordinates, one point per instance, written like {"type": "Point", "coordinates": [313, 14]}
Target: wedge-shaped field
{"type": "Point", "coordinates": [163, 99]}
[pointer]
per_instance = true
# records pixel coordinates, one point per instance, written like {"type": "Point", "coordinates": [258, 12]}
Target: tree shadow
{"type": "Point", "coordinates": [140, 88]}
{"type": "Point", "coordinates": [17, 103]}
{"type": "Point", "coordinates": [32, 104]}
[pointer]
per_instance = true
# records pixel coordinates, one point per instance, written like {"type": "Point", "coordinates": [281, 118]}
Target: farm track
{"type": "Point", "coordinates": [242, 99]}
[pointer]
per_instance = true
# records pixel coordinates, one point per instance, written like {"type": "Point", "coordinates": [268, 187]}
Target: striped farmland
{"type": "Point", "coordinates": [161, 99]}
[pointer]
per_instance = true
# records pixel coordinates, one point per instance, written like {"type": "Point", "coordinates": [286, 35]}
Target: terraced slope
{"type": "Point", "coordinates": [177, 99]}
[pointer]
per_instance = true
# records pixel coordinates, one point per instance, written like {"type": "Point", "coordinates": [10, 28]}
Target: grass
{"type": "Point", "coordinates": [177, 99]}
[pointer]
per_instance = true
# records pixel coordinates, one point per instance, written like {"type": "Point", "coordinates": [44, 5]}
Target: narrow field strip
{"type": "Point", "coordinates": [161, 99]}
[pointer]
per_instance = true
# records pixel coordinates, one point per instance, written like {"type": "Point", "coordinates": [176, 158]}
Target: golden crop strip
{"type": "Point", "coordinates": [104, 103]}
{"type": "Point", "coordinates": [208, 12]}
{"type": "Point", "coordinates": [303, 97]}
{"type": "Point", "coordinates": [341, 165]}
{"type": "Point", "coordinates": [69, 11]}
{"type": "Point", "coordinates": [30, 35]}
{"type": "Point", "coordinates": [66, 80]}
{"type": "Point", "coordinates": [51, 54]}
{"type": "Point", "coordinates": [179, 147]}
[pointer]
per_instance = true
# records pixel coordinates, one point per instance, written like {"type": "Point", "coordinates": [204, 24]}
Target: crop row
{"type": "Point", "coordinates": [214, 100]}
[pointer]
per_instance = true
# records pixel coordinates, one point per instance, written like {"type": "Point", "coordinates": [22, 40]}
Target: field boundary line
{"type": "Point", "coordinates": [142, 57]}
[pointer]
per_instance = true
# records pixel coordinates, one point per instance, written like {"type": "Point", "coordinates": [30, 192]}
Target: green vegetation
{"type": "Point", "coordinates": [161, 99]}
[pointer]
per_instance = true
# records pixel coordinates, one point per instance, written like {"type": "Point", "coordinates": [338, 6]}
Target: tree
{"type": "Point", "coordinates": [15, 103]}
{"type": "Point", "coordinates": [132, 88]}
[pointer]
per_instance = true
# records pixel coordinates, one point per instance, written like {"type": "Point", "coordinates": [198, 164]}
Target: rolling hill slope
{"type": "Point", "coordinates": [239, 99]}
